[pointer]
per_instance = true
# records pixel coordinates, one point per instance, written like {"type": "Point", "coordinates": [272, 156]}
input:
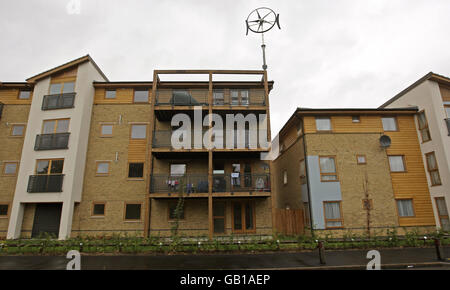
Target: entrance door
{"type": "Point", "coordinates": [46, 219]}
{"type": "Point", "coordinates": [243, 217]}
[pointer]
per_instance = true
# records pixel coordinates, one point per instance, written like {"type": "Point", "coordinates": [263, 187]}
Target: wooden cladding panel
{"type": "Point", "coordinates": [309, 124]}
{"type": "Point", "coordinates": [344, 124]}
{"type": "Point", "coordinates": [137, 150]}
{"type": "Point", "coordinates": [123, 96]}
{"type": "Point", "coordinates": [65, 76]}
{"type": "Point", "coordinates": [445, 93]}
{"type": "Point", "coordinates": [412, 183]}
{"type": "Point", "coordinates": [11, 97]}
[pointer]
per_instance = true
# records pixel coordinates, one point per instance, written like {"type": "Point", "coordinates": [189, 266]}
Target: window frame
{"type": "Point", "coordinates": [322, 117]}
{"type": "Point", "coordinates": [357, 159]}
{"type": "Point", "coordinates": [439, 215]}
{"type": "Point", "coordinates": [412, 206]}
{"type": "Point", "coordinates": [56, 125]}
{"type": "Point", "coordinates": [239, 97]}
{"type": "Point", "coordinates": [341, 219]}
{"type": "Point", "coordinates": [17, 125]}
{"type": "Point", "coordinates": [20, 92]}
{"type": "Point", "coordinates": [244, 224]}
{"type": "Point", "coordinates": [358, 119]}
{"type": "Point", "coordinates": [139, 124]}
{"type": "Point", "coordinates": [99, 162]}
{"type": "Point", "coordinates": [143, 170]}
{"type": "Point", "coordinates": [50, 161]}
{"type": "Point", "coordinates": [429, 170]}
{"type": "Point", "coordinates": [141, 102]}
{"type": "Point", "coordinates": [106, 135]}
{"type": "Point", "coordinates": [94, 203]}
{"type": "Point", "coordinates": [396, 124]}
{"type": "Point", "coordinates": [8, 210]}
{"type": "Point", "coordinates": [404, 164]}
{"type": "Point", "coordinates": [4, 168]}
{"type": "Point", "coordinates": [327, 174]}
{"type": "Point", "coordinates": [62, 83]}
{"type": "Point", "coordinates": [125, 211]}
{"type": "Point", "coordinates": [110, 90]}
{"type": "Point", "coordinates": [447, 111]}
{"type": "Point", "coordinates": [426, 128]}
{"type": "Point", "coordinates": [224, 217]}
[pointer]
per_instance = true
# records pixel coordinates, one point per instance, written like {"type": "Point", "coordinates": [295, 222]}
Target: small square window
{"type": "Point", "coordinates": [138, 131]}
{"type": "Point", "coordinates": [98, 209]}
{"type": "Point", "coordinates": [10, 168]}
{"type": "Point", "coordinates": [136, 170]}
{"type": "Point", "coordinates": [323, 124]}
{"type": "Point", "coordinates": [102, 168]}
{"type": "Point", "coordinates": [405, 207]}
{"type": "Point", "coordinates": [133, 211]}
{"type": "Point", "coordinates": [106, 130]}
{"type": "Point", "coordinates": [4, 210]}
{"type": "Point", "coordinates": [356, 119]}
{"type": "Point", "coordinates": [389, 123]}
{"type": "Point", "coordinates": [397, 163]}
{"type": "Point", "coordinates": [17, 130]}
{"type": "Point", "coordinates": [24, 95]}
{"type": "Point", "coordinates": [110, 94]}
{"type": "Point", "coordinates": [141, 96]}
{"type": "Point", "coordinates": [361, 159]}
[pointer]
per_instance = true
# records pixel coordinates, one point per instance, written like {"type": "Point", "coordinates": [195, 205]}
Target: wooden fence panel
{"type": "Point", "coordinates": [289, 222]}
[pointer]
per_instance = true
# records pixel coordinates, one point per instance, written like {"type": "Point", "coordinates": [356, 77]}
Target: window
{"type": "Point", "coordinates": [327, 169]}
{"type": "Point", "coordinates": [177, 169]}
{"type": "Point", "coordinates": [433, 169]}
{"type": "Point", "coordinates": [423, 127]}
{"type": "Point", "coordinates": [17, 130]}
{"type": "Point", "coordinates": [140, 96]}
{"type": "Point", "coordinates": [361, 159]}
{"type": "Point", "coordinates": [397, 163]}
{"type": "Point", "coordinates": [138, 131]}
{"type": "Point", "coordinates": [106, 130]}
{"type": "Point", "coordinates": [62, 88]}
{"type": "Point", "coordinates": [218, 97]}
{"type": "Point", "coordinates": [239, 97]}
{"type": "Point", "coordinates": [442, 213]}
{"type": "Point", "coordinates": [24, 95]}
{"type": "Point", "coordinates": [243, 217]}
{"type": "Point", "coordinates": [173, 214]}
{"type": "Point", "coordinates": [447, 111]}
{"type": "Point", "coordinates": [98, 209]}
{"type": "Point", "coordinates": [55, 126]}
{"type": "Point", "coordinates": [48, 167]}
{"type": "Point", "coordinates": [333, 218]}
{"type": "Point", "coordinates": [323, 124]}
{"type": "Point", "coordinates": [132, 211]}
{"type": "Point", "coordinates": [356, 119]}
{"type": "Point", "coordinates": [389, 123]}
{"type": "Point", "coordinates": [4, 210]}
{"type": "Point", "coordinates": [302, 169]}
{"type": "Point", "coordinates": [285, 177]}
{"type": "Point", "coordinates": [10, 168]}
{"type": "Point", "coordinates": [405, 208]}
{"type": "Point", "coordinates": [219, 217]}
{"type": "Point", "coordinates": [102, 168]}
{"type": "Point", "coordinates": [110, 94]}
{"type": "Point", "coordinates": [136, 170]}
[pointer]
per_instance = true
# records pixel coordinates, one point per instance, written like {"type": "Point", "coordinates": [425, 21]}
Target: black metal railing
{"type": "Point", "coordinates": [52, 141]}
{"type": "Point", "coordinates": [236, 182]}
{"type": "Point", "coordinates": [447, 121]}
{"type": "Point", "coordinates": [1, 109]}
{"type": "Point", "coordinates": [192, 97]}
{"type": "Point", "coordinates": [45, 183]}
{"type": "Point", "coordinates": [190, 183]}
{"type": "Point", "coordinates": [58, 101]}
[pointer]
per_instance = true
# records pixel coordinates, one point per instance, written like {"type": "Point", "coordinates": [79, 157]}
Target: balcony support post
{"type": "Point", "coordinates": [210, 161]}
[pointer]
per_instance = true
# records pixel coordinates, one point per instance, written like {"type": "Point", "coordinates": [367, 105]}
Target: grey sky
{"type": "Point", "coordinates": [328, 53]}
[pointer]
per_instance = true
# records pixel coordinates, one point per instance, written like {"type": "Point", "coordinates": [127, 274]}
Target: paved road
{"type": "Point", "coordinates": [282, 260]}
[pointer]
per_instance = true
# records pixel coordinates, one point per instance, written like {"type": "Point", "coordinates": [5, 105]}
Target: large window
{"type": "Point", "coordinates": [333, 215]}
{"type": "Point", "coordinates": [98, 209]}
{"type": "Point", "coordinates": [132, 211]}
{"type": "Point", "coordinates": [49, 167]}
{"type": "Point", "coordinates": [239, 97]}
{"type": "Point", "coordinates": [447, 111]}
{"type": "Point", "coordinates": [328, 170]}
{"type": "Point", "coordinates": [405, 208]}
{"type": "Point", "coordinates": [389, 123]}
{"type": "Point", "coordinates": [135, 170]}
{"type": "Point", "coordinates": [433, 169]}
{"type": "Point", "coordinates": [55, 126]}
{"type": "Point", "coordinates": [4, 210]}
{"type": "Point", "coordinates": [323, 124]}
{"type": "Point", "coordinates": [243, 217]}
{"type": "Point", "coordinates": [138, 131]}
{"type": "Point", "coordinates": [62, 88]}
{"type": "Point", "coordinates": [177, 169]}
{"type": "Point", "coordinates": [423, 127]}
{"type": "Point", "coordinates": [140, 96]}
{"type": "Point", "coordinates": [397, 163]}
{"type": "Point", "coordinates": [443, 213]}
{"type": "Point", "coordinates": [219, 217]}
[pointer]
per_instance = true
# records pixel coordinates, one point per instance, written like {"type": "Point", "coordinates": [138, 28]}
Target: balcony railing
{"type": "Point", "coordinates": [447, 121]}
{"type": "Point", "coordinates": [236, 182]}
{"type": "Point", "coordinates": [191, 183]}
{"type": "Point", "coordinates": [58, 101]}
{"type": "Point", "coordinates": [191, 97]}
{"type": "Point", "coordinates": [1, 110]}
{"type": "Point", "coordinates": [45, 183]}
{"type": "Point", "coordinates": [255, 98]}
{"type": "Point", "coordinates": [52, 141]}
{"type": "Point", "coordinates": [163, 139]}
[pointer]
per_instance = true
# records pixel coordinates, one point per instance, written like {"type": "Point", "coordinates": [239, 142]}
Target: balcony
{"type": "Point", "coordinates": [241, 183]}
{"type": "Point", "coordinates": [254, 97]}
{"type": "Point", "coordinates": [52, 141]}
{"type": "Point", "coordinates": [1, 109]}
{"type": "Point", "coordinates": [192, 97]}
{"type": "Point", "coordinates": [45, 183]}
{"type": "Point", "coordinates": [162, 139]}
{"type": "Point", "coordinates": [187, 184]}
{"type": "Point", "coordinates": [58, 101]}
{"type": "Point", "coordinates": [447, 121]}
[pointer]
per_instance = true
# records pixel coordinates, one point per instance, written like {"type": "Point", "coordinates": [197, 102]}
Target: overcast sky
{"type": "Point", "coordinates": [329, 53]}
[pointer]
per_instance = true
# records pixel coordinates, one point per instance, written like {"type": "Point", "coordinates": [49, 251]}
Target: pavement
{"type": "Point", "coordinates": [405, 258]}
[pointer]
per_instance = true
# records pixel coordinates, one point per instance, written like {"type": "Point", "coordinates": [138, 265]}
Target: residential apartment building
{"type": "Point", "coordinates": [353, 171]}
{"type": "Point", "coordinates": [82, 155]}
{"type": "Point", "coordinates": [431, 94]}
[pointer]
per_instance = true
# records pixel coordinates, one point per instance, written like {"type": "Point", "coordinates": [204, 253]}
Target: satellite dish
{"type": "Point", "coordinates": [385, 141]}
